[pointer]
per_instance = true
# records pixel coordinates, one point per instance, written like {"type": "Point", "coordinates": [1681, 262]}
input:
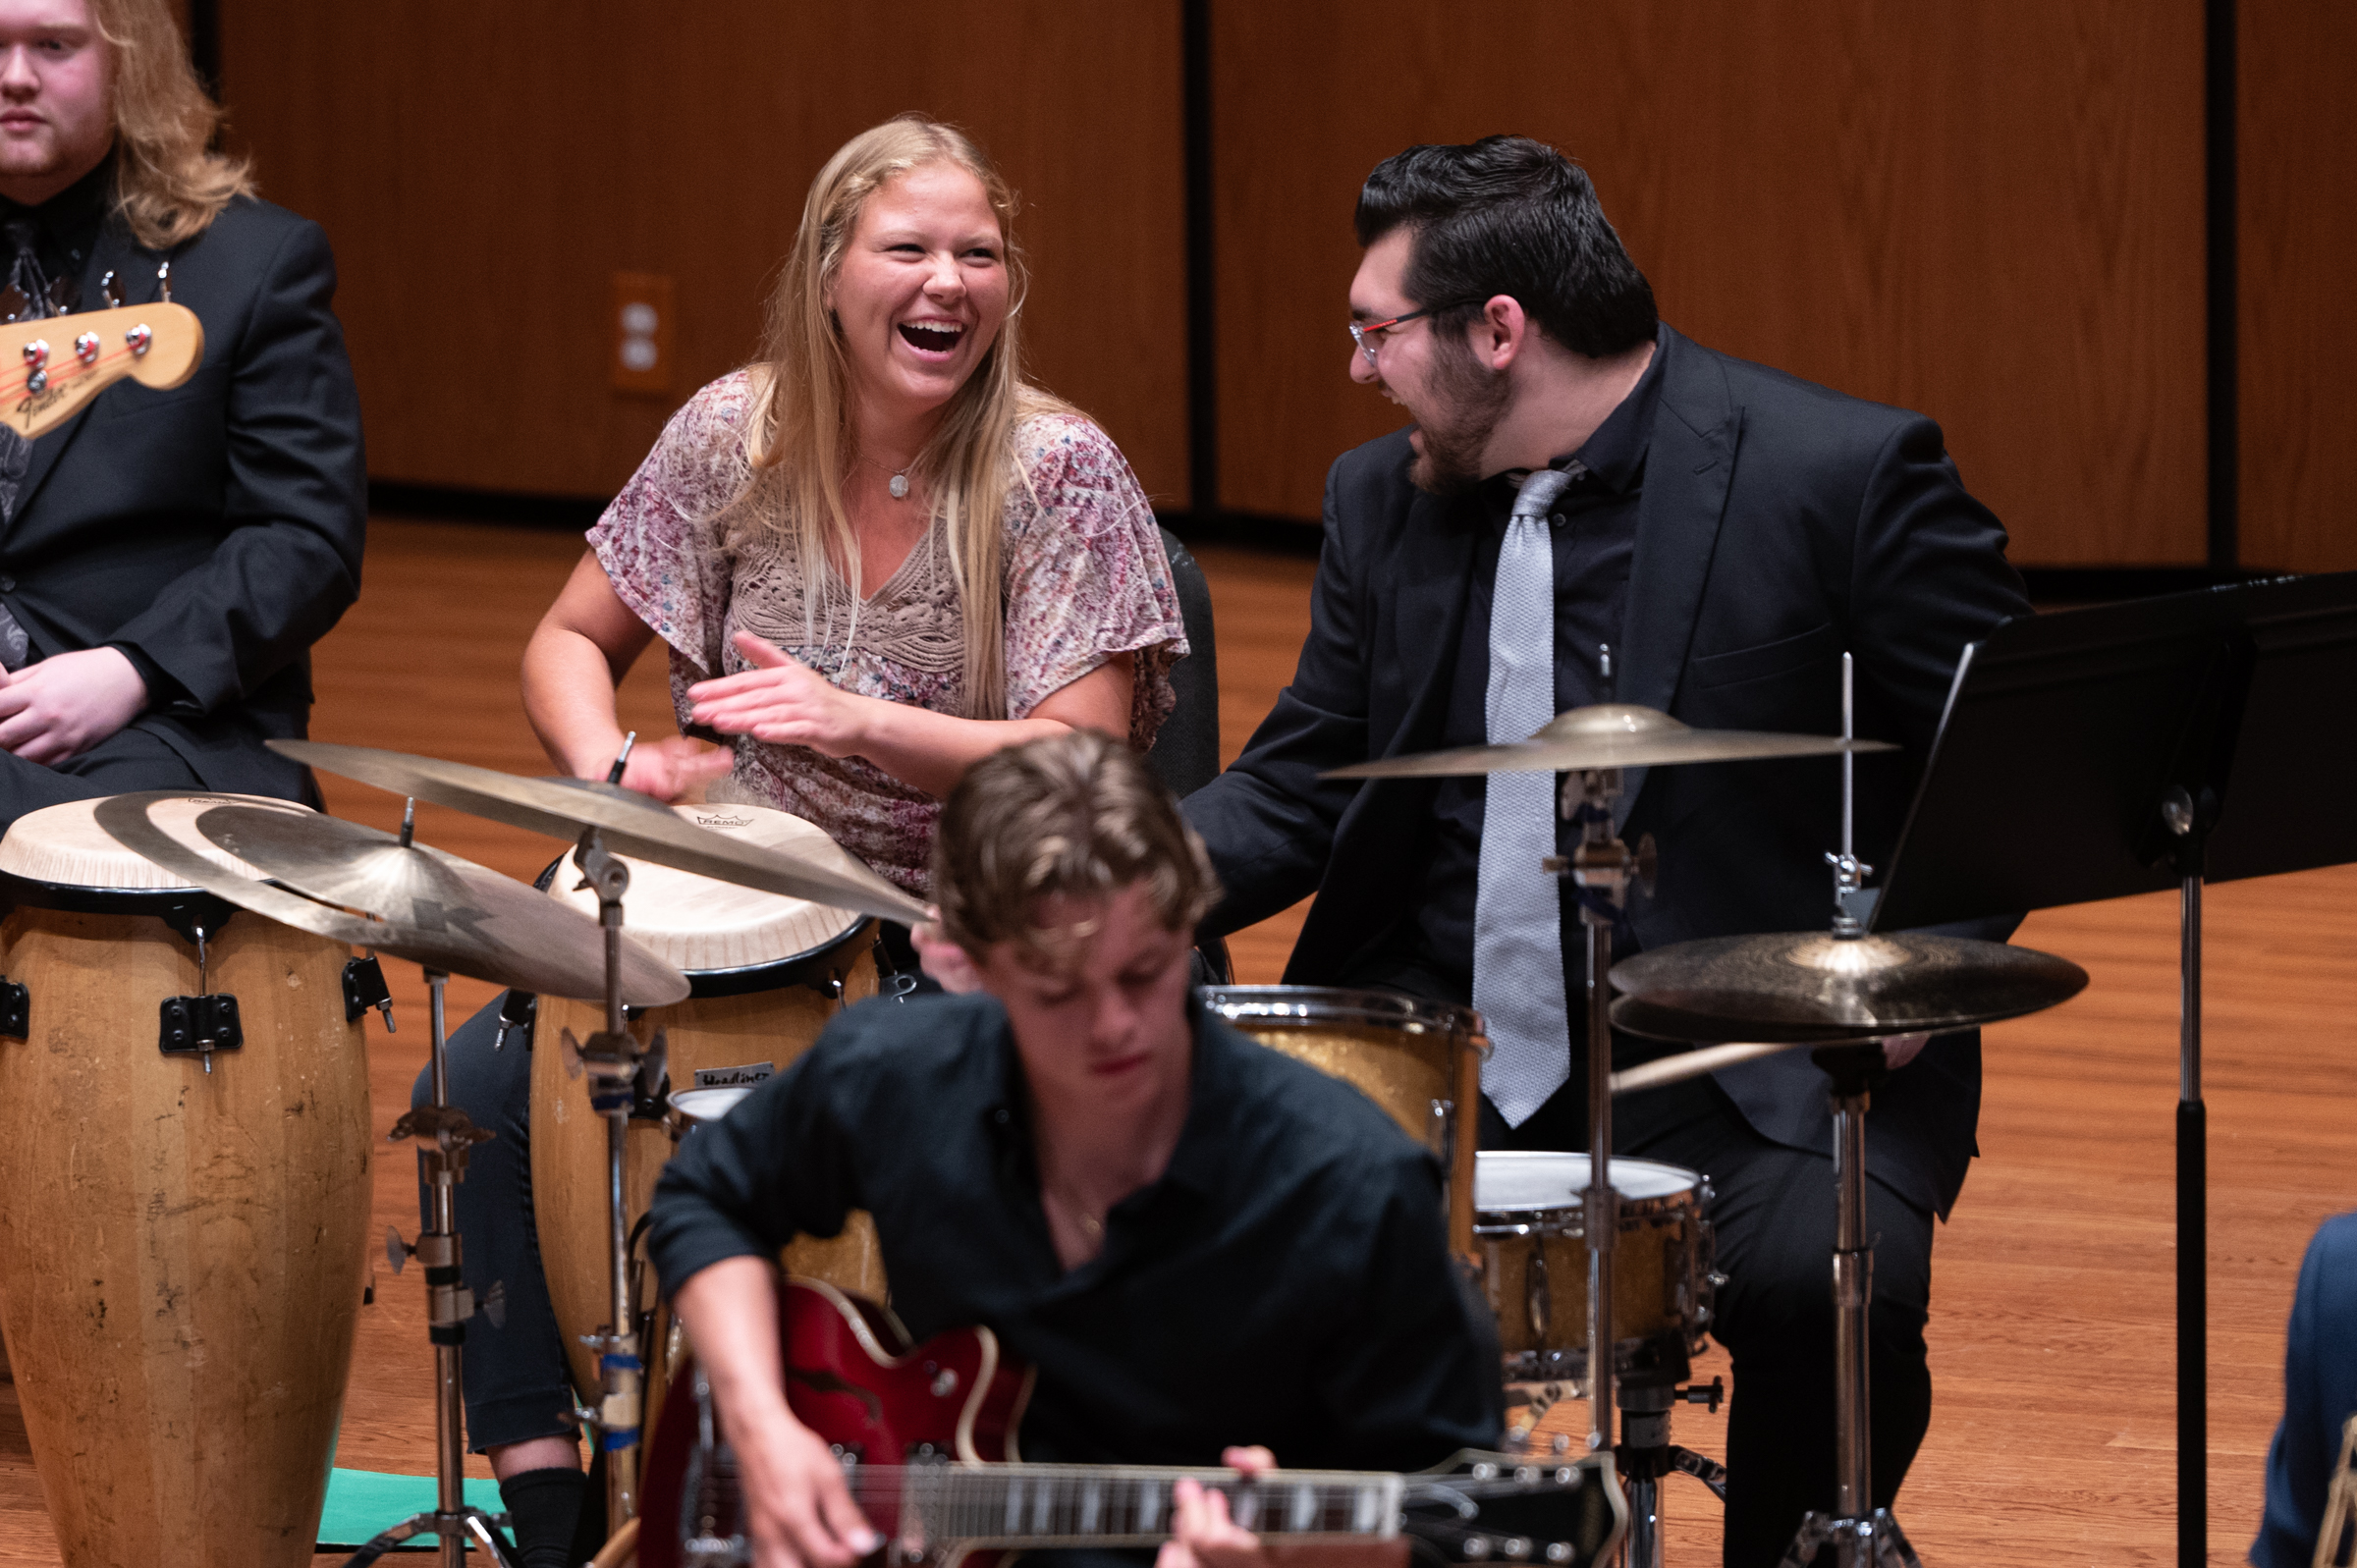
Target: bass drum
{"type": "Point", "coordinates": [183, 1233]}
{"type": "Point", "coordinates": [766, 973]}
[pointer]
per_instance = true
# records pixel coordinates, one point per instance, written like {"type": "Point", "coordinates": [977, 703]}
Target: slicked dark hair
{"type": "Point", "coordinates": [1509, 215]}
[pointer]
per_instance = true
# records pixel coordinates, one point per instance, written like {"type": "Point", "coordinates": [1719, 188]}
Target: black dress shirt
{"type": "Point", "coordinates": [67, 225]}
{"type": "Point", "coordinates": [1285, 1282]}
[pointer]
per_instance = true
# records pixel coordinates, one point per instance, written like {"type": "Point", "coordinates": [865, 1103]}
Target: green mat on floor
{"type": "Point", "coordinates": [361, 1503]}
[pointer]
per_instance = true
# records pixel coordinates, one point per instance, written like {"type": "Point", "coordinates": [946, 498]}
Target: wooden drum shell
{"type": "Point", "coordinates": [181, 1253]}
{"type": "Point", "coordinates": [569, 1141]}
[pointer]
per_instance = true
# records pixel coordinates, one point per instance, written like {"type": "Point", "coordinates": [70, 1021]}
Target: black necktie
{"type": "Point", "coordinates": [27, 291]}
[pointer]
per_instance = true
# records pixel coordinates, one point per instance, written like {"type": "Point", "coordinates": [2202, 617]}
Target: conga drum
{"type": "Point", "coordinates": [182, 1231]}
{"type": "Point", "coordinates": [765, 974]}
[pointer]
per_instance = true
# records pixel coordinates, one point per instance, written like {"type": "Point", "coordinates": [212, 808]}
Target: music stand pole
{"type": "Point", "coordinates": [2179, 812]}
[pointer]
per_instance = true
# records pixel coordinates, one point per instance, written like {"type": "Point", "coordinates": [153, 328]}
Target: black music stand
{"type": "Point", "coordinates": [2095, 753]}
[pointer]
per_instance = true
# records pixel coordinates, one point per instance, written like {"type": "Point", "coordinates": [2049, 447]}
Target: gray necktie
{"type": "Point", "coordinates": [1517, 913]}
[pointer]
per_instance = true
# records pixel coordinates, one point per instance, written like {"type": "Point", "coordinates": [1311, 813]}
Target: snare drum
{"type": "Point", "coordinates": [183, 1233]}
{"type": "Point", "coordinates": [1419, 1060]}
{"type": "Point", "coordinates": [766, 973]}
{"type": "Point", "coordinates": [1532, 1244]}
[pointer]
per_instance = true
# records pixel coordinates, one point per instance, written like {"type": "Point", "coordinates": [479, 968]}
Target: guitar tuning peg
{"type": "Point", "coordinates": [495, 1304]}
{"type": "Point", "coordinates": [163, 281]}
{"type": "Point", "coordinates": [397, 1251]}
{"type": "Point", "coordinates": [14, 307]}
{"type": "Point", "coordinates": [572, 1053]}
{"type": "Point", "coordinates": [64, 291]}
{"type": "Point", "coordinates": [109, 292]}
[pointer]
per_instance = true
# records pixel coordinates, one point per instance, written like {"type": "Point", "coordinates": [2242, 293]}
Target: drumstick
{"type": "Point", "coordinates": [1693, 1064]}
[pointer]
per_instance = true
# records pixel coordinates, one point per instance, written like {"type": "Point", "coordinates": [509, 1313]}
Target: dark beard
{"type": "Point", "coordinates": [1475, 399]}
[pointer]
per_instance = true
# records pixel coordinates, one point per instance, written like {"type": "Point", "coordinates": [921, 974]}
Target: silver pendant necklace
{"type": "Point", "coordinates": [897, 484]}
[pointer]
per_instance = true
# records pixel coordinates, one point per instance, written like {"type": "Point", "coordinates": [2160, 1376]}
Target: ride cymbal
{"type": "Point", "coordinates": [629, 821]}
{"type": "Point", "coordinates": [1813, 987]}
{"type": "Point", "coordinates": [430, 907]}
{"type": "Point", "coordinates": [1605, 735]}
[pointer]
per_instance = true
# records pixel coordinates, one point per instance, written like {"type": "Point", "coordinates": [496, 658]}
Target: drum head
{"type": "Point", "coordinates": [63, 846]}
{"type": "Point", "coordinates": [700, 1106]}
{"type": "Point", "coordinates": [1523, 1181]}
{"type": "Point", "coordinates": [697, 924]}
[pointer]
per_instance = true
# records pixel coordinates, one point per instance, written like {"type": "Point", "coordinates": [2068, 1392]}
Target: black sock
{"type": "Point", "coordinates": [544, 1507]}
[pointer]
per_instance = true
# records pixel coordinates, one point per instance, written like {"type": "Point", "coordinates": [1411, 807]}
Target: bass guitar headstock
{"type": "Point", "coordinates": [52, 365]}
{"type": "Point", "coordinates": [1515, 1508]}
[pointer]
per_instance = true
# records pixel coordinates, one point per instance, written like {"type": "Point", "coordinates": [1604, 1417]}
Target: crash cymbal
{"type": "Point", "coordinates": [430, 907]}
{"type": "Point", "coordinates": [1816, 987]}
{"type": "Point", "coordinates": [1605, 735]}
{"type": "Point", "coordinates": [630, 823]}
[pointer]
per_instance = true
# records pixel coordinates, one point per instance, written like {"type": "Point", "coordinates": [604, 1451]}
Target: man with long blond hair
{"type": "Point", "coordinates": [167, 558]}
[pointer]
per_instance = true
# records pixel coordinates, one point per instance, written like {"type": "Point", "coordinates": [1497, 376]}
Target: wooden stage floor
{"type": "Point", "coordinates": [2052, 1435]}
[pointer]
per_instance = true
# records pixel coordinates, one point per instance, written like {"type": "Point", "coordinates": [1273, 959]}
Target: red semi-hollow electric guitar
{"type": "Point", "coordinates": [927, 1436]}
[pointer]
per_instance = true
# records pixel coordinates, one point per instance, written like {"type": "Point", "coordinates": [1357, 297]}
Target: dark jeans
{"type": "Point", "coordinates": [517, 1385]}
{"type": "Point", "coordinates": [125, 761]}
{"type": "Point", "coordinates": [1773, 1211]}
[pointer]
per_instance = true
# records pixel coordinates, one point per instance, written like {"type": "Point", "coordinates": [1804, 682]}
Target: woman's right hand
{"type": "Point", "coordinates": [798, 1511]}
{"type": "Point", "coordinates": [674, 767]}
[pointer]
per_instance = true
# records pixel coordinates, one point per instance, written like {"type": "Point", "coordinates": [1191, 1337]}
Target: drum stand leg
{"type": "Point", "coordinates": [1861, 1535]}
{"type": "Point", "coordinates": [444, 1135]}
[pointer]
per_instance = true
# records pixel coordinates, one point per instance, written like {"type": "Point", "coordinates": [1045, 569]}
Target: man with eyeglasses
{"type": "Point", "coordinates": [1579, 475]}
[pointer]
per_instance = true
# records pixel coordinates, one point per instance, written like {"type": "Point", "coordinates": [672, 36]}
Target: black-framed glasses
{"type": "Point", "coordinates": [1364, 333]}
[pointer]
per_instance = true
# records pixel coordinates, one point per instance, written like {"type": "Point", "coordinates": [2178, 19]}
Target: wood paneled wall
{"type": "Point", "coordinates": [1988, 210]}
{"type": "Point", "coordinates": [1991, 212]}
{"type": "Point", "coordinates": [2298, 286]}
{"type": "Point", "coordinates": [482, 171]}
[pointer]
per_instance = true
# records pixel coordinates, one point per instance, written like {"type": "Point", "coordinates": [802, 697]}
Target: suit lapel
{"type": "Point", "coordinates": [1689, 462]}
{"type": "Point", "coordinates": [112, 252]}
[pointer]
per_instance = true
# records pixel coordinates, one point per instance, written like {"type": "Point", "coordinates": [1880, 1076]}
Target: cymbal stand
{"type": "Point", "coordinates": [445, 1136]}
{"type": "Point", "coordinates": [1602, 867]}
{"type": "Point", "coordinates": [1861, 1535]}
{"type": "Point", "coordinates": [620, 1071]}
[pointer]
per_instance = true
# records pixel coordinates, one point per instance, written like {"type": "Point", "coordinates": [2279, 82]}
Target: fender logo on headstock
{"type": "Point", "coordinates": [51, 365]}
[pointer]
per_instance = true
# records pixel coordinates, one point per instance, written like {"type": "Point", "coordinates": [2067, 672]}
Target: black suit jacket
{"type": "Point", "coordinates": [1780, 524]}
{"type": "Point", "coordinates": [215, 529]}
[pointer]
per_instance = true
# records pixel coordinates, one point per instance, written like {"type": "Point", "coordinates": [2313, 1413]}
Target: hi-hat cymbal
{"type": "Point", "coordinates": [630, 824]}
{"type": "Point", "coordinates": [430, 907]}
{"type": "Point", "coordinates": [1605, 735]}
{"type": "Point", "coordinates": [1816, 987]}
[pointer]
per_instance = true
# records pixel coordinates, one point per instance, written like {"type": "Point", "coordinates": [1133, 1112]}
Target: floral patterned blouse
{"type": "Point", "coordinates": [1085, 578]}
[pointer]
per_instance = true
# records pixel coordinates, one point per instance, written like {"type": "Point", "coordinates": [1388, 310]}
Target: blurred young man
{"type": "Point", "coordinates": [167, 558]}
{"type": "Point", "coordinates": [1580, 474]}
{"type": "Point", "coordinates": [1197, 1242]}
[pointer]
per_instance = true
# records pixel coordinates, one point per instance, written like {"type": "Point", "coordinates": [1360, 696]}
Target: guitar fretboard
{"type": "Point", "coordinates": [1007, 1506]}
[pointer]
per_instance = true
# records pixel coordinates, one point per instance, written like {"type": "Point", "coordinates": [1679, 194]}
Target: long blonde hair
{"type": "Point", "coordinates": [169, 182]}
{"type": "Point", "coordinates": [798, 443]}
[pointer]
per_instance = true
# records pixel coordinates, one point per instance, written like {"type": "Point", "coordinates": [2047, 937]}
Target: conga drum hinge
{"type": "Point", "coordinates": [198, 1026]}
{"type": "Point", "coordinates": [16, 1009]}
